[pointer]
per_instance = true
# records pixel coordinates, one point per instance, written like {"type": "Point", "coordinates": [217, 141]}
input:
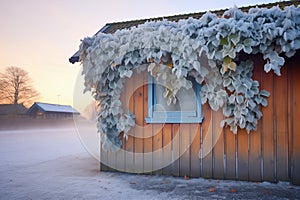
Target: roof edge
{"type": "Point", "coordinates": [75, 58]}
{"type": "Point", "coordinates": [281, 4]}
{"type": "Point", "coordinates": [197, 15]}
{"type": "Point", "coordinates": [37, 104]}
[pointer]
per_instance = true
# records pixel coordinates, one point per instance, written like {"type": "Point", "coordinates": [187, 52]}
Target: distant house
{"type": "Point", "coordinates": [12, 110]}
{"type": "Point", "coordinates": [54, 111]}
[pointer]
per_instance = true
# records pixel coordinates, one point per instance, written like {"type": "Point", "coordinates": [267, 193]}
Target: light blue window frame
{"type": "Point", "coordinates": [172, 116]}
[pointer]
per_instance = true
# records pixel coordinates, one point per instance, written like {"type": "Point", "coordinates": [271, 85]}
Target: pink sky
{"type": "Point", "coordinates": [40, 35]}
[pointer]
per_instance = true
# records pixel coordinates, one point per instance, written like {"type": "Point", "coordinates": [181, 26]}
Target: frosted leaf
{"type": "Point", "coordinates": [239, 99]}
{"type": "Point", "coordinates": [233, 128]}
{"type": "Point", "coordinates": [264, 93]}
{"type": "Point", "coordinates": [226, 82]}
{"type": "Point", "coordinates": [266, 31]}
{"type": "Point", "coordinates": [264, 102]}
{"type": "Point", "coordinates": [227, 111]}
{"type": "Point", "coordinates": [110, 76]}
{"type": "Point", "coordinates": [213, 105]}
{"type": "Point", "coordinates": [231, 99]}
{"type": "Point", "coordinates": [196, 65]}
{"type": "Point", "coordinates": [234, 38]}
{"type": "Point", "coordinates": [126, 73]}
{"type": "Point", "coordinates": [112, 85]}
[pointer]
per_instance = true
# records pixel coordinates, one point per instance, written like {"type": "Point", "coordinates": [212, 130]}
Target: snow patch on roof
{"type": "Point", "coordinates": [46, 107]}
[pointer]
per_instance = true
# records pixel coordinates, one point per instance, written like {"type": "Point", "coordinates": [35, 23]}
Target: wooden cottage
{"type": "Point", "coordinates": [51, 111]}
{"type": "Point", "coordinates": [12, 110]}
{"type": "Point", "coordinates": [186, 139]}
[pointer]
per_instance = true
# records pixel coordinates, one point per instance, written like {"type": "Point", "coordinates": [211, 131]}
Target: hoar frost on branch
{"type": "Point", "coordinates": [205, 48]}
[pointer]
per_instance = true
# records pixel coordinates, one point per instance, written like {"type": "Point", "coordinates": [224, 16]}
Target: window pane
{"type": "Point", "coordinates": [186, 100]}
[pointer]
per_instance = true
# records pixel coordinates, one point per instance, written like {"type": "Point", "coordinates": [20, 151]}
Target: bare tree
{"type": "Point", "coordinates": [16, 87]}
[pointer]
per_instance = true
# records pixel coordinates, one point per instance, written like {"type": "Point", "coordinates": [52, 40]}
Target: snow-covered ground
{"type": "Point", "coordinates": [51, 163]}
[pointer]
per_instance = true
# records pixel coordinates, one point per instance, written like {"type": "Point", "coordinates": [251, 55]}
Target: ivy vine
{"type": "Point", "coordinates": [207, 49]}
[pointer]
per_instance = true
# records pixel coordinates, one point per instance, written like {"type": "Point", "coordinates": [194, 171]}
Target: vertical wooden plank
{"type": "Point", "coordinates": [111, 158]}
{"type": "Point", "coordinates": [230, 154]}
{"type": "Point", "coordinates": [157, 148]}
{"type": "Point", "coordinates": [281, 113]}
{"type": "Point", "coordinates": [167, 146]}
{"type": "Point", "coordinates": [243, 165]}
{"type": "Point", "coordinates": [147, 131]}
{"type": "Point", "coordinates": [175, 149]}
{"type": "Point", "coordinates": [129, 144]}
{"type": "Point", "coordinates": [148, 152]}
{"type": "Point", "coordinates": [195, 149]}
{"type": "Point", "coordinates": [255, 155]}
{"type": "Point", "coordinates": [184, 160]}
{"type": "Point", "coordinates": [267, 123]}
{"type": "Point", "coordinates": [104, 161]}
{"type": "Point", "coordinates": [129, 162]}
{"type": "Point", "coordinates": [206, 147]}
{"type": "Point", "coordinates": [218, 141]}
{"type": "Point", "coordinates": [138, 155]}
{"type": "Point", "coordinates": [120, 155]}
{"type": "Point", "coordinates": [138, 130]}
{"type": "Point", "coordinates": [120, 158]}
{"type": "Point", "coordinates": [295, 119]}
{"type": "Point", "coordinates": [289, 66]}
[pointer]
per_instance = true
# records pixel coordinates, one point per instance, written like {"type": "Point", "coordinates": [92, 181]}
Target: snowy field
{"type": "Point", "coordinates": [50, 162]}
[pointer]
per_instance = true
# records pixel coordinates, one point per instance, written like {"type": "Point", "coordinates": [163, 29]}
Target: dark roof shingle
{"type": "Point", "coordinates": [12, 109]}
{"type": "Point", "coordinates": [113, 27]}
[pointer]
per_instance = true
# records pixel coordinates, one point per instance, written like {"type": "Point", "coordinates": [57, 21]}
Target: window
{"type": "Point", "coordinates": [187, 108]}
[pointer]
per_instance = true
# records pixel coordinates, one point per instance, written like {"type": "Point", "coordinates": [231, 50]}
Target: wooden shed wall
{"type": "Point", "coordinates": [272, 153]}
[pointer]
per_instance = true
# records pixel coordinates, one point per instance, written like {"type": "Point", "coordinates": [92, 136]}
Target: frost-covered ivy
{"type": "Point", "coordinates": [242, 106]}
{"type": "Point", "coordinates": [207, 49]}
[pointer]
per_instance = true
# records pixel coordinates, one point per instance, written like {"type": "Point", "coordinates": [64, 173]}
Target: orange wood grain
{"type": "Point", "coordinates": [195, 150]}
{"type": "Point", "coordinates": [218, 150]}
{"type": "Point", "coordinates": [255, 137]}
{"type": "Point", "coordinates": [281, 123]}
{"type": "Point", "coordinates": [295, 119]}
{"type": "Point", "coordinates": [267, 123]}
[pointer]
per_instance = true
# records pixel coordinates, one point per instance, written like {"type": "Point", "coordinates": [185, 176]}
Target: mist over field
{"type": "Point", "coordinates": [57, 159]}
